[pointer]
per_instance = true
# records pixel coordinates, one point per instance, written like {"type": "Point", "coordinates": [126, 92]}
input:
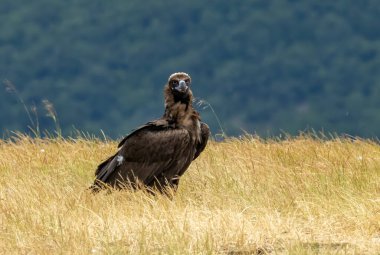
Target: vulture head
{"type": "Point", "coordinates": [178, 88]}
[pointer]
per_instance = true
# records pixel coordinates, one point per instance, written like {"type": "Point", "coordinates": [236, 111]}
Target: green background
{"type": "Point", "coordinates": [264, 66]}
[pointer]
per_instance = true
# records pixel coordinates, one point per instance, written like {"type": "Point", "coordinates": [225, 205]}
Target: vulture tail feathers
{"type": "Point", "coordinates": [104, 170]}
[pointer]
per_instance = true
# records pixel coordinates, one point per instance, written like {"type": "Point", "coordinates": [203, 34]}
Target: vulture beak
{"type": "Point", "coordinates": [181, 87]}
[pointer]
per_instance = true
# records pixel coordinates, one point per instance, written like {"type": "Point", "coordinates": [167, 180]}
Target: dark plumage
{"type": "Point", "coordinates": [158, 153]}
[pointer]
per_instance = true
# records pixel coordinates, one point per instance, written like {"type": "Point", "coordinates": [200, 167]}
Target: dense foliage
{"type": "Point", "coordinates": [264, 66]}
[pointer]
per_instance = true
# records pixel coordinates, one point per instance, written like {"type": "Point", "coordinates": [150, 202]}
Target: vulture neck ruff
{"type": "Point", "coordinates": [177, 110]}
{"type": "Point", "coordinates": [180, 113]}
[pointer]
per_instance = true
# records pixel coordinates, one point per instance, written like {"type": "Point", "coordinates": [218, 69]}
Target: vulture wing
{"type": "Point", "coordinates": [153, 151]}
{"type": "Point", "coordinates": [205, 133]}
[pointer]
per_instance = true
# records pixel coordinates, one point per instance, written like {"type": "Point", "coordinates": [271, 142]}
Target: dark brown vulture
{"type": "Point", "coordinates": [157, 154]}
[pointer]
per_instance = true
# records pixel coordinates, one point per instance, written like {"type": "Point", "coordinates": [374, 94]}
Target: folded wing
{"type": "Point", "coordinates": [153, 155]}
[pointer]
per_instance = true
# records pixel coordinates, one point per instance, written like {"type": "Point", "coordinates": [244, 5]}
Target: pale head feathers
{"type": "Point", "coordinates": [179, 75]}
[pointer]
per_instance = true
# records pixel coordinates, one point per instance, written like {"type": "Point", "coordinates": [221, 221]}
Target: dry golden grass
{"type": "Point", "coordinates": [249, 196]}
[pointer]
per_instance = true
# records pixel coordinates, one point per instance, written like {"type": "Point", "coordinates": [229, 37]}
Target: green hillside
{"type": "Point", "coordinates": [264, 66]}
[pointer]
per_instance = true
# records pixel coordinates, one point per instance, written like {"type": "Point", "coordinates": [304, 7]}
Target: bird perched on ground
{"type": "Point", "coordinates": [157, 154]}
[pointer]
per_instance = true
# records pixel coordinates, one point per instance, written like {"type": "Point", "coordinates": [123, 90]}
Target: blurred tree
{"type": "Point", "coordinates": [264, 66]}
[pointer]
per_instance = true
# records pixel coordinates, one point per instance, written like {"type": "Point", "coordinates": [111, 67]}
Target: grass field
{"type": "Point", "coordinates": [301, 195]}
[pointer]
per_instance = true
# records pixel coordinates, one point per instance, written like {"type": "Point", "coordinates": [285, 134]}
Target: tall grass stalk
{"type": "Point", "coordinates": [34, 128]}
{"type": "Point", "coordinates": [205, 105]}
{"type": "Point", "coordinates": [51, 112]}
{"type": "Point", "coordinates": [34, 121]}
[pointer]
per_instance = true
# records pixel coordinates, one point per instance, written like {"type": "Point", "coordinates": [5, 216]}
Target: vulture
{"type": "Point", "coordinates": [155, 155]}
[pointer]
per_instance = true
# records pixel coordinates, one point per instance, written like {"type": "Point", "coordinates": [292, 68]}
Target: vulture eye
{"type": "Point", "coordinates": [187, 81]}
{"type": "Point", "coordinates": [175, 83]}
